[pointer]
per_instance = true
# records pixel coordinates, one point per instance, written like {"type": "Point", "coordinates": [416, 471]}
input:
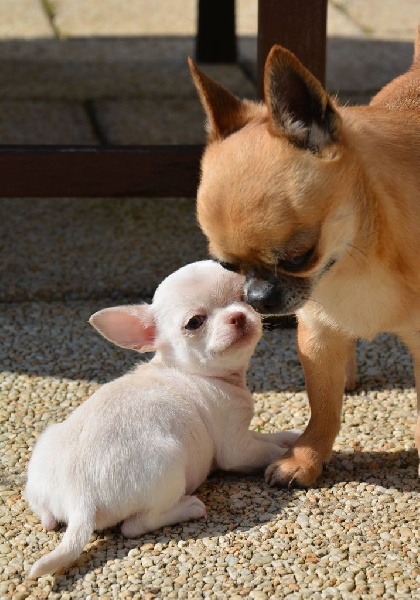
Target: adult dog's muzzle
{"type": "Point", "coordinates": [279, 295]}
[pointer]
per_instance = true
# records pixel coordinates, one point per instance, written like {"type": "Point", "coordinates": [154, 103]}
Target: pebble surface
{"type": "Point", "coordinates": [355, 534]}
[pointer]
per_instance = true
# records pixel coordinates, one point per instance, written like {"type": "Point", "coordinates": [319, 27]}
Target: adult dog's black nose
{"type": "Point", "coordinates": [263, 296]}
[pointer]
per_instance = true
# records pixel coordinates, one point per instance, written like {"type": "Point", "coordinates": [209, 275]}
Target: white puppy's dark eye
{"type": "Point", "coordinates": [195, 322]}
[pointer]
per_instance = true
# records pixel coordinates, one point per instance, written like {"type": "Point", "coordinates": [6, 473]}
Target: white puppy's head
{"type": "Point", "coordinates": [197, 322]}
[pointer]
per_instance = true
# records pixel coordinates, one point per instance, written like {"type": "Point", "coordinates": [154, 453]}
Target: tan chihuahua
{"type": "Point", "coordinates": [319, 206]}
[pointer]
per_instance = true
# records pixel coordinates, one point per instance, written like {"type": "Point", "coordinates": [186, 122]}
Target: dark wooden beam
{"type": "Point", "coordinates": [93, 171]}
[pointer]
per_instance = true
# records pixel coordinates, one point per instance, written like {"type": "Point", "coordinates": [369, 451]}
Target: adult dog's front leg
{"type": "Point", "coordinates": [324, 355]}
{"type": "Point", "coordinates": [413, 342]}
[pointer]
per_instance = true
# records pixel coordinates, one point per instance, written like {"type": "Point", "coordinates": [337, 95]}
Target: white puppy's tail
{"type": "Point", "coordinates": [74, 540]}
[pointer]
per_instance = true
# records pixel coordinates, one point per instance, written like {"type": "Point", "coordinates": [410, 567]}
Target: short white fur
{"type": "Point", "coordinates": [137, 449]}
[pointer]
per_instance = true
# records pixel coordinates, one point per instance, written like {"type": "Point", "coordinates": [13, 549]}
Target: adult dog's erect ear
{"type": "Point", "coordinates": [298, 105]}
{"type": "Point", "coordinates": [225, 112]}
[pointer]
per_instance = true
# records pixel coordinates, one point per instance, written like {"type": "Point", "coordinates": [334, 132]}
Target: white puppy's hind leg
{"type": "Point", "coordinates": [187, 509]}
{"type": "Point", "coordinates": [48, 521]}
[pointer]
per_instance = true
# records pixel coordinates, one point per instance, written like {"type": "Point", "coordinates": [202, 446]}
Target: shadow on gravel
{"type": "Point", "coordinates": [391, 470]}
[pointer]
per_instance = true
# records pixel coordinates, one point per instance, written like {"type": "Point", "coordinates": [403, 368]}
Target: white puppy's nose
{"type": "Point", "coordinates": [237, 318]}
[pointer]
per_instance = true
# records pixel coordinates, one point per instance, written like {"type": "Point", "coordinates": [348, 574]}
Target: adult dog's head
{"type": "Point", "coordinates": [274, 193]}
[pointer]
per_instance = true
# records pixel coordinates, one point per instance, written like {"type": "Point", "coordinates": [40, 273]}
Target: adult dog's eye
{"type": "Point", "coordinates": [298, 262]}
{"type": "Point", "coordinates": [229, 266]}
{"type": "Point", "coordinates": [195, 322]}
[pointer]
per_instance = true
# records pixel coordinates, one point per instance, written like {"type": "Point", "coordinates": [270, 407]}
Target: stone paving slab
{"type": "Point", "coordinates": [147, 17]}
{"type": "Point", "coordinates": [141, 17]}
{"type": "Point", "coordinates": [76, 18]}
{"type": "Point", "coordinates": [357, 66]}
{"type": "Point", "coordinates": [120, 68]}
{"type": "Point", "coordinates": [385, 19]}
{"type": "Point", "coordinates": [124, 88]}
{"type": "Point", "coordinates": [24, 19]}
{"type": "Point", "coordinates": [151, 121]}
{"type": "Point", "coordinates": [41, 122]}
{"type": "Point", "coordinates": [339, 23]}
{"type": "Point", "coordinates": [353, 65]}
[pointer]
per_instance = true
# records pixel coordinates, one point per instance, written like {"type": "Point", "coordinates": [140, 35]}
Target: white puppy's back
{"type": "Point", "coordinates": [119, 450]}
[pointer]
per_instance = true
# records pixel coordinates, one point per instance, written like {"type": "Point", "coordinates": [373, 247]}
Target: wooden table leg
{"type": "Point", "coordinates": [299, 26]}
{"type": "Point", "coordinates": [216, 39]}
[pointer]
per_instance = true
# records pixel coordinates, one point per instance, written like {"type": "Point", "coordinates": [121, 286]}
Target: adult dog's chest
{"type": "Point", "coordinates": [362, 305]}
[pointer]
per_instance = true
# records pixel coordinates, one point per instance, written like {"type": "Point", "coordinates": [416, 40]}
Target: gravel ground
{"type": "Point", "coordinates": [355, 534]}
{"type": "Point", "coordinates": [94, 248]}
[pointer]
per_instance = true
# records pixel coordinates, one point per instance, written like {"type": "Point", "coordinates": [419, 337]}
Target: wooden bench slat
{"type": "Point", "coordinates": [94, 171]}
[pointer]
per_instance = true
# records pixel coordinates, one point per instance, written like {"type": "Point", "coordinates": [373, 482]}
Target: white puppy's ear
{"type": "Point", "coordinates": [130, 327]}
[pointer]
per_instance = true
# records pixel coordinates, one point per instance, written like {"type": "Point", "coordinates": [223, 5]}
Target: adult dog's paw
{"type": "Point", "coordinates": [293, 471]}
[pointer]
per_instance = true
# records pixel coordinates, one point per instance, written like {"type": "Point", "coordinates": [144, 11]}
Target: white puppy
{"type": "Point", "coordinates": [136, 450]}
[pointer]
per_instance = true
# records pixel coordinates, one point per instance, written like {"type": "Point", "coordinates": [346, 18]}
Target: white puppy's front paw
{"type": "Point", "coordinates": [286, 438]}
